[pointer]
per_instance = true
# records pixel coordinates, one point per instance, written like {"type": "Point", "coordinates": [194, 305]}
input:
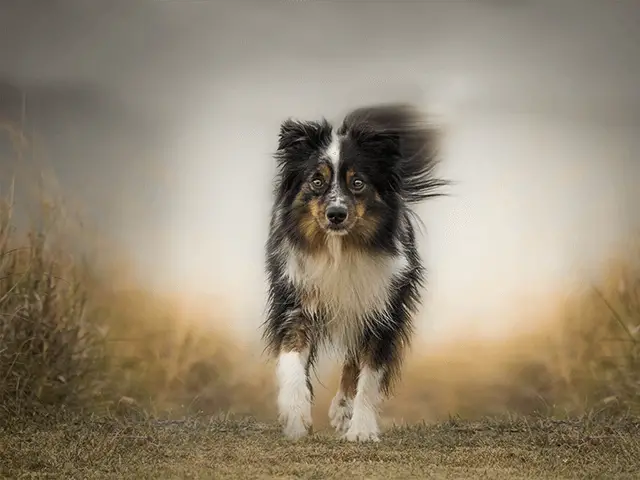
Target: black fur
{"type": "Point", "coordinates": [414, 144]}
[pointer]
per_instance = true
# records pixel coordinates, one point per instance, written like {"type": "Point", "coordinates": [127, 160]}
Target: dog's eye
{"type": "Point", "coordinates": [357, 184]}
{"type": "Point", "coordinates": [317, 183]}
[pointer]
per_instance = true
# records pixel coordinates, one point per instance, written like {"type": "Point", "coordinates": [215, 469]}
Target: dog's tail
{"type": "Point", "coordinates": [416, 141]}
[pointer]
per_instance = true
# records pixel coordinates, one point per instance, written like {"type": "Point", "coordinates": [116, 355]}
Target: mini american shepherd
{"type": "Point", "coordinates": [342, 264]}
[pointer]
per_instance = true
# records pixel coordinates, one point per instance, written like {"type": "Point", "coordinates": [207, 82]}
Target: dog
{"type": "Point", "coordinates": [342, 265]}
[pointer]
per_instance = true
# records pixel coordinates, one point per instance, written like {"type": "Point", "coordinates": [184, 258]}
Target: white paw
{"type": "Point", "coordinates": [295, 413]}
{"type": "Point", "coordinates": [363, 428]}
{"type": "Point", "coordinates": [356, 436]}
{"type": "Point", "coordinates": [296, 426]}
{"type": "Point", "coordinates": [340, 412]}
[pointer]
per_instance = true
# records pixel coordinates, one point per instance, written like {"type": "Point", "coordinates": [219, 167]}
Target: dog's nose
{"type": "Point", "coordinates": [336, 214]}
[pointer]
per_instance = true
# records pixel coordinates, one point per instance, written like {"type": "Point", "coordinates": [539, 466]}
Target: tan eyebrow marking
{"type": "Point", "coordinates": [350, 174]}
{"type": "Point", "coordinates": [325, 171]}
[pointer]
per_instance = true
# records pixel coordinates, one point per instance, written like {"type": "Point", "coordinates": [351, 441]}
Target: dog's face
{"type": "Point", "coordinates": [337, 183]}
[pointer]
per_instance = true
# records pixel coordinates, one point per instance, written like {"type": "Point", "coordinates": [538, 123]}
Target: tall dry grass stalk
{"type": "Point", "coordinates": [584, 359]}
{"type": "Point", "coordinates": [77, 335]}
{"type": "Point", "coordinates": [600, 340]}
{"type": "Point", "coordinates": [49, 348]}
{"type": "Point", "coordinates": [81, 336]}
{"type": "Point", "coordinates": [77, 329]}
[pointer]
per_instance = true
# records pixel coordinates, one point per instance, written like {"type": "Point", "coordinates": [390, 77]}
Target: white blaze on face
{"type": "Point", "coordinates": [333, 150]}
{"type": "Point", "coordinates": [333, 153]}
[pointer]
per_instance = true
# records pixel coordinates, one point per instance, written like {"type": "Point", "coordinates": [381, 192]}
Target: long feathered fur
{"type": "Point", "coordinates": [416, 144]}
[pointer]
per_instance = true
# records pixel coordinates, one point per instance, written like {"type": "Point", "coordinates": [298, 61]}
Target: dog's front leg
{"type": "Point", "coordinates": [341, 407]}
{"type": "Point", "coordinates": [381, 356]}
{"type": "Point", "coordinates": [295, 358]}
{"type": "Point", "coordinates": [364, 419]}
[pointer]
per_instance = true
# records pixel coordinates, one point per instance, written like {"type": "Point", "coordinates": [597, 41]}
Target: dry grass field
{"type": "Point", "coordinates": [100, 378]}
{"type": "Point", "coordinates": [509, 448]}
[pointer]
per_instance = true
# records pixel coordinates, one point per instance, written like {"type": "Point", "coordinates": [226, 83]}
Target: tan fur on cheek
{"type": "Point", "coordinates": [314, 208]}
{"type": "Point", "coordinates": [309, 226]}
{"type": "Point", "coordinates": [367, 226]}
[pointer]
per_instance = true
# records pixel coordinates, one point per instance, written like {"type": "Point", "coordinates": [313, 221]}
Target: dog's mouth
{"type": "Point", "coordinates": [339, 230]}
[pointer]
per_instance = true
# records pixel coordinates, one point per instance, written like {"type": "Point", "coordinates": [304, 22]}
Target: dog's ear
{"type": "Point", "coordinates": [310, 134]}
{"type": "Point", "coordinates": [386, 143]}
{"type": "Point", "coordinates": [291, 132]}
{"type": "Point", "coordinates": [372, 131]}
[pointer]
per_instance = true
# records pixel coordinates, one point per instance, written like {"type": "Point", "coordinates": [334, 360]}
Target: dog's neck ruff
{"type": "Point", "coordinates": [346, 288]}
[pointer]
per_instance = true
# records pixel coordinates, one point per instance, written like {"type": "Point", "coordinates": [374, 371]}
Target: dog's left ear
{"type": "Point", "coordinates": [383, 143]}
{"type": "Point", "coordinates": [387, 142]}
{"type": "Point", "coordinates": [295, 132]}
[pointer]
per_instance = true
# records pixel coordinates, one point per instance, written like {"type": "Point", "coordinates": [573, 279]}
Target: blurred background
{"type": "Point", "coordinates": [159, 119]}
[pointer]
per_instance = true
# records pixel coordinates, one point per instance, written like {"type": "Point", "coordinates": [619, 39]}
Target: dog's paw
{"type": "Point", "coordinates": [295, 413]}
{"type": "Point", "coordinates": [361, 436]}
{"type": "Point", "coordinates": [363, 428]}
{"type": "Point", "coordinates": [296, 425]}
{"type": "Point", "coordinates": [340, 412]}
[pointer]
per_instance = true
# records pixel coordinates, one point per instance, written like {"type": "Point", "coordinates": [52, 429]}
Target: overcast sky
{"type": "Point", "coordinates": [163, 116]}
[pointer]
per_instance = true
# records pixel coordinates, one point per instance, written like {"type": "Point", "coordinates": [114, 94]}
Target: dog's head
{"type": "Point", "coordinates": [338, 182]}
{"type": "Point", "coordinates": [354, 181]}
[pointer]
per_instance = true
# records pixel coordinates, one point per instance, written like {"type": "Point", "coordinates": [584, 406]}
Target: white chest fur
{"type": "Point", "coordinates": [345, 285]}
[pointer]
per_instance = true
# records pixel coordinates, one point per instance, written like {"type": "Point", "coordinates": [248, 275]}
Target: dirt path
{"type": "Point", "coordinates": [218, 448]}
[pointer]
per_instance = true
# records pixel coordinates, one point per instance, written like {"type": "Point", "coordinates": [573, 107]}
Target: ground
{"type": "Point", "coordinates": [244, 448]}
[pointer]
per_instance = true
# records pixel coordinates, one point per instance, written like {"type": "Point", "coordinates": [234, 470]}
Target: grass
{"type": "Point", "coordinates": [100, 378]}
{"type": "Point", "coordinates": [512, 448]}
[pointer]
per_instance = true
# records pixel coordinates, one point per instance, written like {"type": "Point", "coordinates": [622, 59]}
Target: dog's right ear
{"type": "Point", "coordinates": [291, 132]}
{"type": "Point", "coordinates": [310, 134]}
